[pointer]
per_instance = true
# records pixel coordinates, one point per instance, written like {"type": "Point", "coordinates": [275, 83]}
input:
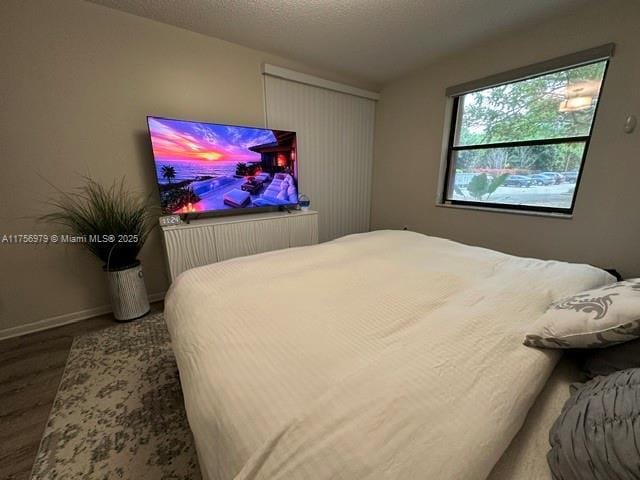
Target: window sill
{"type": "Point", "coordinates": [506, 210]}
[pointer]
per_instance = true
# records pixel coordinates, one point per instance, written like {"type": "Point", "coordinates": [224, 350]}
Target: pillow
{"type": "Point", "coordinates": [594, 437]}
{"type": "Point", "coordinates": [592, 319]}
{"type": "Point", "coordinates": [604, 361]}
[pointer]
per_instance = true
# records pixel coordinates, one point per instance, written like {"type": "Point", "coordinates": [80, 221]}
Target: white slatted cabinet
{"type": "Point", "coordinates": [211, 240]}
{"type": "Point", "coordinates": [303, 230]}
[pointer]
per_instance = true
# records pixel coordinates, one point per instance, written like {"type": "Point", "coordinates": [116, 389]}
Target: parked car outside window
{"type": "Point", "coordinates": [518, 181]}
{"type": "Point", "coordinates": [539, 179]}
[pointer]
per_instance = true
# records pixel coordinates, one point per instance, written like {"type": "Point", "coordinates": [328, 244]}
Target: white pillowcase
{"type": "Point", "coordinates": [592, 319]}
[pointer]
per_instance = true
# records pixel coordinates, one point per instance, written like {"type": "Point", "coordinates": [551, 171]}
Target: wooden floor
{"type": "Point", "coordinates": [31, 367]}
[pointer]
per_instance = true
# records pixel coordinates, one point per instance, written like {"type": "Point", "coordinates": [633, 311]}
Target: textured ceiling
{"type": "Point", "coordinates": [373, 40]}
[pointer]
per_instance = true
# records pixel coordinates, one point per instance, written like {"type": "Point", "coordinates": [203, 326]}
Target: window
{"type": "Point", "coordinates": [519, 140]}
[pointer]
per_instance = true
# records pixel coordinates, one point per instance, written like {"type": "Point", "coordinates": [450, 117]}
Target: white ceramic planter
{"type": "Point", "coordinates": [128, 293]}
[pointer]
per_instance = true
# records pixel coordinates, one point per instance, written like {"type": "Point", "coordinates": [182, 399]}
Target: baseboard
{"type": "Point", "coordinates": [64, 319]}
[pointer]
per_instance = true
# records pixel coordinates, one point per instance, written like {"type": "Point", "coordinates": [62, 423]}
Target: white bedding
{"type": "Point", "coordinates": [381, 355]}
{"type": "Point", "coordinates": [526, 456]}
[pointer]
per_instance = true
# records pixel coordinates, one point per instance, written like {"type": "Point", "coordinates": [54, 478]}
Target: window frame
{"type": "Point", "coordinates": [585, 57]}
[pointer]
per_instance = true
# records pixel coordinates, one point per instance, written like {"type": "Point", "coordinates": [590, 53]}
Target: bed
{"type": "Point", "coordinates": [526, 456]}
{"type": "Point", "coordinates": [383, 355]}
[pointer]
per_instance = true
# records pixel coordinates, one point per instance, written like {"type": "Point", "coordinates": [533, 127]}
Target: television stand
{"type": "Point", "coordinates": [209, 240]}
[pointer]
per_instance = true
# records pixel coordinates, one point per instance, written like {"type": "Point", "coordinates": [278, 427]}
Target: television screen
{"type": "Point", "coordinates": [208, 167]}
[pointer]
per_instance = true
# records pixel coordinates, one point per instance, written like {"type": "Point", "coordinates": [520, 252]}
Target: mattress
{"type": "Point", "coordinates": [381, 355]}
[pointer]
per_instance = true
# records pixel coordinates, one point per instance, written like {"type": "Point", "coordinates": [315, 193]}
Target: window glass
{"type": "Point", "coordinates": [523, 144]}
{"type": "Point", "coordinates": [506, 175]}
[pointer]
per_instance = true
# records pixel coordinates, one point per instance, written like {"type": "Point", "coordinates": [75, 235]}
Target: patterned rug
{"type": "Point", "coordinates": [119, 412]}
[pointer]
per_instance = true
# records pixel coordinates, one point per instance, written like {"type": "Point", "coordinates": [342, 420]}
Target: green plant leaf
{"type": "Point", "coordinates": [495, 183]}
{"type": "Point", "coordinates": [478, 186]}
{"type": "Point", "coordinates": [95, 212]}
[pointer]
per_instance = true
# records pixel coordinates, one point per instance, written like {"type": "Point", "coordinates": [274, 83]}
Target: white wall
{"type": "Point", "coordinates": [76, 83]}
{"type": "Point", "coordinates": [409, 133]}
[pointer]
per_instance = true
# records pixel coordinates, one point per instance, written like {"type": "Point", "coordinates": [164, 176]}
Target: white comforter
{"type": "Point", "coordinates": [387, 355]}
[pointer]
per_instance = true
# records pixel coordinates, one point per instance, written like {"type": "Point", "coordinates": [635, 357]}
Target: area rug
{"type": "Point", "coordinates": [119, 411]}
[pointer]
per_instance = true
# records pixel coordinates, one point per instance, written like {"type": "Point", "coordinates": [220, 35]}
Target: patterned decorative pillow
{"type": "Point", "coordinates": [593, 319]}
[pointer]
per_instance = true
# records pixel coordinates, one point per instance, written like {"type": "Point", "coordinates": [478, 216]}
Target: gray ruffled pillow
{"type": "Point", "coordinates": [597, 435]}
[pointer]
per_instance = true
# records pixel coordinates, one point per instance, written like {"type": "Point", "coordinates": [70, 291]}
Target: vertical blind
{"type": "Point", "coordinates": [335, 150]}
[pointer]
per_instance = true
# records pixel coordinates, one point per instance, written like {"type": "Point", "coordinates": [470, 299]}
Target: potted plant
{"type": "Point", "coordinates": [113, 223]}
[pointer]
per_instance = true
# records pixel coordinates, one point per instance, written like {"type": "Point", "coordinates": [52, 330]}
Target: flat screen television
{"type": "Point", "coordinates": [214, 168]}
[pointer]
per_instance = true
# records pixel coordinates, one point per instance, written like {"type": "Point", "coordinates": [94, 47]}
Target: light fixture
{"type": "Point", "coordinates": [575, 104]}
{"type": "Point", "coordinates": [579, 96]}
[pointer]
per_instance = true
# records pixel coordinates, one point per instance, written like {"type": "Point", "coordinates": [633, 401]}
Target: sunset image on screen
{"type": "Point", "coordinates": [204, 167]}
